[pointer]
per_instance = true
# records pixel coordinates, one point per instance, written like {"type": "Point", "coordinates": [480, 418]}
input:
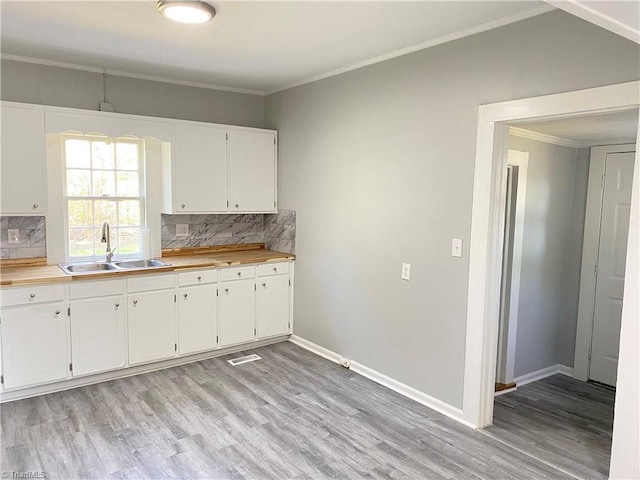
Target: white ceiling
{"type": "Point", "coordinates": [606, 129]}
{"type": "Point", "coordinates": [260, 46]}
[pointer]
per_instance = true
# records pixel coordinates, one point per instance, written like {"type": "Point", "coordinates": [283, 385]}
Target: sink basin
{"type": "Point", "coordinates": [94, 267]}
{"type": "Point", "coordinates": [87, 267]}
{"type": "Point", "coordinates": [130, 264]}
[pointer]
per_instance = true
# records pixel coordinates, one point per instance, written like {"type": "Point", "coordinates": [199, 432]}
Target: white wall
{"type": "Point", "coordinates": [46, 85]}
{"type": "Point", "coordinates": [379, 164]}
{"type": "Point", "coordinates": [551, 254]}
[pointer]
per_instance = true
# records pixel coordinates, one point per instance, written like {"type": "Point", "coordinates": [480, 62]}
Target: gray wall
{"type": "Point", "coordinates": [41, 84]}
{"type": "Point", "coordinates": [551, 254]}
{"type": "Point", "coordinates": [379, 163]}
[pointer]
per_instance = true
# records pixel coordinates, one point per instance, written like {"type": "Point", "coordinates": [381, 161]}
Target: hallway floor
{"type": "Point", "coordinates": [561, 421]}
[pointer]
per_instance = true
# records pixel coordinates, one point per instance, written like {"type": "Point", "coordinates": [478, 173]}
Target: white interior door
{"type": "Point", "coordinates": [612, 254]}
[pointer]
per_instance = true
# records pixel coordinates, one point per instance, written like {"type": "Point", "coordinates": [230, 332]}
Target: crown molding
{"type": "Point", "coordinates": [543, 137]}
{"type": "Point", "coordinates": [120, 73]}
{"type": "Point", "coordinates": [501, 22]}
{"type": "Point", "coordinates": [564, 142]}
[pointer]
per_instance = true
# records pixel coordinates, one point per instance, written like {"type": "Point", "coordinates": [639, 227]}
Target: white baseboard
{"type": "Point", "coordinates": [401, 388]}
{"type": "Point", "coordinates": [543, 373]}
{"type": "Point", "coordinates": [507, 390]}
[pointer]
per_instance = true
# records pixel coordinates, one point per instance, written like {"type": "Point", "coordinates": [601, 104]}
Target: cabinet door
{"type": "Point", "coordinates": [151, 317]}
{"type": "Point", "coordinates": [200, 169]}
{"type": "Point", "coordinates": [272, 305]}
{"type": "Point", "coordinates": [97, 334]}
{"type": "Point", "coordinates": [23, 156]}
{"type": "Point", "coordinates": [252, 171]}
{"type": "Point", "coordinates": [237, 312]}
{"type": "Point", "coordinates": [35, 344]}
{"type": "Point", "coordinates": [197, 319]}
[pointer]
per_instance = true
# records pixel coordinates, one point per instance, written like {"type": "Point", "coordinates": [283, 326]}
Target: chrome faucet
{"type": "Point", "coordinates": [106, 238]}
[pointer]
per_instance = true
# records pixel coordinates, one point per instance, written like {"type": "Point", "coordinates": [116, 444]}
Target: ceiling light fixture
{"type": "Point", "coordinates": [186, 11]}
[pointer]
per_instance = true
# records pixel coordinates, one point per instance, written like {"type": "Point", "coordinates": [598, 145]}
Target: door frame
{"type": "Point", "coordinates": [590, 248]}
{"type": "Point", "coordinates": [518, 159]}
{"type": "Point", "coordinates": [487, 225]}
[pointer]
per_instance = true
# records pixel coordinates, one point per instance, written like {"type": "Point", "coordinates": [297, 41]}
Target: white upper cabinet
{"type": "Point", "coordinates": [213, 169]}
{"type": "Point", "coordinates": [196, 181]}
{"type": "Point", "coordinates": [252, 171]}
{"type": "Point", "coordinates": [24, 166]}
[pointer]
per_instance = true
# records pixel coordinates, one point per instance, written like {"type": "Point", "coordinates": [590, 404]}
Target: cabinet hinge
{"type": "Point", "coordinates": [217, 293]}
{"type": "Point", "coordinates": [175, 298]}
{"type": "Point", "coordinates": [226, 135]}
{"type": "Point", "coordinates": [289, 324]}
{"type": "Point", "coordinates": [217, 340]}
{"type": "Point", "coordinates": [227, 203]}
{"type": "Point", "coordinates": [274, 204]}
{"type": "Point", "coordinates": [255, 332]}
{"type": "Point", "coordinates": [254, 287]}
{"type": "Point", "coordinates": [175, 347]}
{"type": "Point", "coordinates": [595, 269]}
{"type": "Point", "coordinates": [289, 282]}
{"type": "Point", "coordinates": [2, 379]}
{"type": "Point", "coordinates": [71, 367]}
{"type": "Point", "coordinates": [589, 356]}
{"type": "Point", "coordinates": [274, 140]}
{"type": "Point", "coordinates": [68, 311]}
{"type": "Point", "coordinates": [602, 182]}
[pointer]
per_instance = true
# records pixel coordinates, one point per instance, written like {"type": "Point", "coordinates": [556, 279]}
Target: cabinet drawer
{"type": "Point", "coordinates": [149, 283]}
{"type": "Point", "coordinates": [96, 289]}
{"type": "Point", "coordinates": [272, 269]}
{"type": "Point", "coordinates": [237, 273]}
{"type": "Point", "coordinates": [29, 295]}
{"type": "Point", "coordinates": [197, 277]}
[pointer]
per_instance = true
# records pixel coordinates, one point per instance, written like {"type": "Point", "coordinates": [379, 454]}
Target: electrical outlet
{"type": "Point", "coordinates": [182, 230]}
{"type": "Point", "coordinates": [14, 235]}
{"type": "Point", "coordinates": [345, 362]}
{"type": "Point", "coordinates": [456, 247]}
{"type": "Point", "coordinates": [406, 271]}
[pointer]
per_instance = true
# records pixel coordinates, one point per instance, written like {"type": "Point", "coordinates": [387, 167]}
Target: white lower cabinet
{"type": "Point", "coordinates": [237, 312]}
{"type": "Point", "coordinates": [151, 326]}
{"type": "Point", "coordinates": [197, 319]}
{"type": "Point", "coordinates": [273, 306]}
{"type": "Point", "coordinates": [98, 334]}
{"type": "Point", "coordinates": [35, 344]}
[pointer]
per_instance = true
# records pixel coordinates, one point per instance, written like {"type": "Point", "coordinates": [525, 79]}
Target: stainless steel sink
{"type": "Point", "coordinates": [87, 267]}
{"type": "Point", "coordinates": [122, 265]}
{"type": "Point", "coordinates": [131, 264]}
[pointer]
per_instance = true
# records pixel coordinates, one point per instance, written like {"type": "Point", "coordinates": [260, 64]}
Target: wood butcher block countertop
{"type": "Point", "coordinates": [180, 259]}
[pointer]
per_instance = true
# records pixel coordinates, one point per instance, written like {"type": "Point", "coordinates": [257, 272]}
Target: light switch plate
{"type": "Point", "coordinates": [406, 271]}
{"type": "Point", "coordinates": [182, 229]}
{"type": "Point", "coordinates": [14, 235]}
{"type": "Point", "coordinates": [456, 247]}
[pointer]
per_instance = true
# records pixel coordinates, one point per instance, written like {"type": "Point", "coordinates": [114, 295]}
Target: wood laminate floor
{"type": "Point", "coordinates": [290, 415]}
{"type": "Point", "coordinates": [565, 422]}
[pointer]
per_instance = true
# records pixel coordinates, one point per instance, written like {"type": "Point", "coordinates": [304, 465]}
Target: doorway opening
{"type": "Point", "coordinates": [546, 275]}
{"type": "Point", "coordinates": [486, 256]}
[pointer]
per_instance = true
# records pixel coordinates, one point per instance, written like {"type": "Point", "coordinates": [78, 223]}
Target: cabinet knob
{"type": "Point", "coordinates": [226, 290]}
{"type": "Point", "coordinates": [117, 305]}
{"type": "Point", "coordinates": [198, 278]}
{"type": "Point", "coordinates": [183, 205]}
{"type": "Point", "coordinates": [57, 312]}
{"type": "Point", "coordinates": [237, 206]}
{"type": "Point", "coordinates": [185, 295]}
{"type": "Point", "coordinates": [35, 205]}
{"type": "Point", "coordinates": [275, 269]}
{"type": "Point", "coordinates": [264, 285]}
{"type": "Point", "coordinates": [33, 295]}
{"type": "Point", "coordinates": [135, 302]}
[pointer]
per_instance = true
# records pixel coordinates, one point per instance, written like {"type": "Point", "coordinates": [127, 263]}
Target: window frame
{"type": "Point", "coordinates": [65, 198]}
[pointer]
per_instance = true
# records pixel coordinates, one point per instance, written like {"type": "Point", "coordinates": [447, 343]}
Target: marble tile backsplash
{"type": "Point", "coordinates": [31, 237]}
{"type": "Point", "coordinates": [277, 230]}
{"type": "Point", "coordinates": [280, 231]}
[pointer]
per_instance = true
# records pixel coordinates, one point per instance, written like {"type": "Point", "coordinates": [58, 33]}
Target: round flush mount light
{"type": "Point", "coordinates": [186, 11]}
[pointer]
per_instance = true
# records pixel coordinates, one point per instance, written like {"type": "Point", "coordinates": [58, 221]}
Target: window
{"type": "Point", "coordinates": [103, 182]}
